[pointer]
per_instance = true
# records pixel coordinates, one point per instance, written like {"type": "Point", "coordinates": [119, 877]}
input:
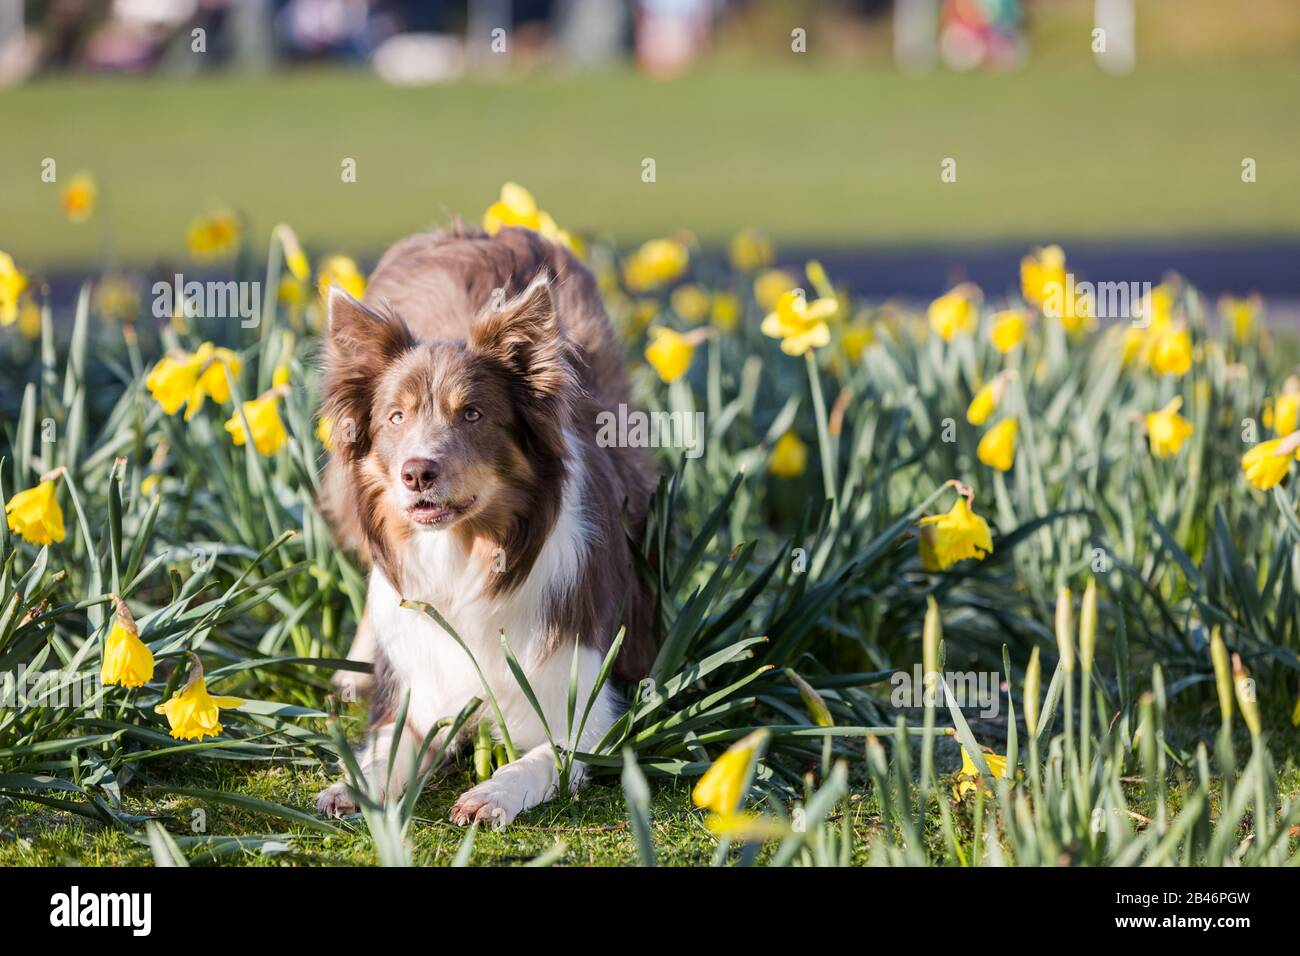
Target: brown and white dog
{"type": "Point", "coordinates": [464, 394]}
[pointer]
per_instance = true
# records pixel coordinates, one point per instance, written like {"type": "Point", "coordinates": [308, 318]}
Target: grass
{"type": "Point", "coordinates": [791, 588]}
{"type": "Point", "coordinates": [819, 155]}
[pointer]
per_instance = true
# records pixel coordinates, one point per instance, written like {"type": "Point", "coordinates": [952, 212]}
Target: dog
{"type": "Point", "coordinates": [464, 393]}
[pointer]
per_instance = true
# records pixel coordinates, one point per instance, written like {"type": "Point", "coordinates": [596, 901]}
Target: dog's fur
{"type": "Point", "coordinates": [485, 362]}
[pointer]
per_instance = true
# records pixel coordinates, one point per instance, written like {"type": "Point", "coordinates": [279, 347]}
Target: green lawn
{"type": "Point", "coordinates": [819, 155]}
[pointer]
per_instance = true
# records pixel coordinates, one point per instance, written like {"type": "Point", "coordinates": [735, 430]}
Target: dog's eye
{"type": "Point", "coordinates": [396, 418]}
{"type": "Point", "coordinates": [472, 414]}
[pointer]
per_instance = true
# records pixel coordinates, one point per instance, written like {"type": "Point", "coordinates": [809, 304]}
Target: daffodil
{"type": "Point", "coordinates": [656, 264]}
{"type": "Point", "coordinates": [29, 320]}
{"type": "Point", "coordinates": [263, 414]}
{"type": "Point", "coordinates": [517, 207]}
{"type": "Point", "coordinates": [1167, 430]}
{"type": "Point", "coordinates": [690, 302]}
{"type": "Point", "coordinates": [969, 775]}
{"type": "Point", "coordinates": [1240, 314]}
{"type": "Point", "coordinates": [149, 483]}
{"type": "Point", "coordinates": [669, 353]}
{"type": "Point", "coordinates": [1009, 329]}
{"type": "Point", "coordinates": [789, 456]}
{"type": "Point", "coordinates": [723, 785]}
{"type": "Point", "coordinates": [35, 516]}
{"type": "Point", "coordinates": [948, 538]}
{"type": "Point", "coordinates": [295, 259]}
{"type": "Point", "coordinates": [171, 381]}
{"type": "Point", "coordinates": [116, 299]}
{"type": "Point", "coordinates": [340, 271]}
{"type": "Point", "coordinates": [987, 399]}
{"type": "Point", "coordinates": [997, 448]}
{"type": "Point", "coordinates": [193, 713]}
{"type": "Point", "coordinates": [1282, 414]}
{"type": "Point", "coordinates": [798, 323]}
{"type": "Point", "coordinates": [954, 313]}
{"type": "Point", "coordinates": [725, 311]}
{"type": "Point", "coordinates": [746, 827]}
{"type": "Point", "coordinates": [749, 251]}
{"type": "Point", "coordinates": [325, 432]}
{"type": "Point", "coordinates": [126, 660]}
{"type": "Point", "coordinates": [856, 337]}
{"type": "Point", "coordinates": [1267, 463]}
{"type": "Point", "coordinates": [12, 285]}
{"type": "Point", "coordinates": [211, 380]}
{"type": "Point", "coordinates": [214, 236]}
{"type": "Point", "coordinates": [770, 285]}
{"type": "Point", "coordinates": [1171, 351]}
{"type": "Point", "coordinates": [79, 198]}
{"type": "Point", "coordinates": [1041, 272]}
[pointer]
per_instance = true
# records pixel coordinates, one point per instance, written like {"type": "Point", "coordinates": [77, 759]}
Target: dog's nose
{"type": "Point", "coordinates": [419, 474]}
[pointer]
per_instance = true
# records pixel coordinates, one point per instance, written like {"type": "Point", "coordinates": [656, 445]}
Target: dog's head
{"type": "Point", "coordinates": [449, 434]}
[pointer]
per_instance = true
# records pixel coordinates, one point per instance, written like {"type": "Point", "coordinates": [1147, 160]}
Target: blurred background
{"type": "Point", "coordinates": [909, 143]}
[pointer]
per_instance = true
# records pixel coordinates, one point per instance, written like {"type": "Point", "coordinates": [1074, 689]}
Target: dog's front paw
{"type": "Point", "coordinates": [492, 802]}
{"type": "Point", "coordinates": [336, 800]}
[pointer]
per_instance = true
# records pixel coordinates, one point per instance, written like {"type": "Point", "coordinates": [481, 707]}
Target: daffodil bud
{"type": "Point", "coordinates": [1088, 625]}
{"type": "Point", "coordinates": [931, 637]}
{"type": "Point", "coordinates": [1245, 688]}
{"type": "Point", "coordinates": [1033, 677]}
{"type": "Point", "coordinates": [1065, 629]}
{"type": "Point", "coordinates": [1222, 673]}
{"type": "Point", "coordinates": [812, 701]}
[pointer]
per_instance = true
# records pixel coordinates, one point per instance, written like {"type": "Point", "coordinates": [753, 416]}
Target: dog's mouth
{"type": "Point", "coordinates": [431, 512]}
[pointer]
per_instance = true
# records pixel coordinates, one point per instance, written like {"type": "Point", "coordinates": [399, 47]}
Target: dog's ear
{"type": "Point", "coordinates": [360, 344]}
{"type": "Point", "coordinates": [523, 338]}
{"type": "Point", "coordinates": [523, 335]}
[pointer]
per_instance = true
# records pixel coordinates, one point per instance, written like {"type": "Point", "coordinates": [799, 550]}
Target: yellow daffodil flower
{"type": "Point", "coordinates": [29, 320]}
{"type": "Point", "coordinates": [214, 236]}
{"type": "Point", "coordinates": [857, 337]}
{"type": "Point", "coordinates": [750, 251]}
{"type": "Point", "coordinates": [746, 827]}
{"type": "Point", "coordinates": [948, 538]}
{"type": "Point", "coordinates": [789, 456]}
{"type": "Point", "coordinates": [295, 260]}
{"type": "Point", "coordinates": [263, 414]}
{"type": "Point", "coordinates": [79, 198]}
{"type": "Point", "coordinates": [954, 313]}
{"type": "Point", "coordinates": [149, 483]}
{"type": "Point", "coordinates": [517, 207]}
{"type": "Point", "coordinates": [171, 381]}
{"type": "Point", "coordinates": [690, 302]}
{"type": "Point", "coordinates": [1042, 271]}
{"type": "Point", "coordinates": [1267, 463]}
{"type": "Point", "coordinates": [723, 785]}
{"type": "Point", "coordinates": [127, 660]}
{"type": "Point", "coordinates": [340, 271]}
{"type": "Point", "coordinates": [987, 399]}
{"type": "Point", "coordinates": [211, 381]}
{"type": "Point", "coordinates": [669, 353]}
{"type": "Point", "coordinates": [12, 285]}
{"type": "Point", "coordinates": [1009, 329]}
{"type": "Point", "coordinates": [1167, 430]}
{"type": "Point", "coordinates": [997, 448]}
{"type": "Point", "coordinates": [325, 432]}
{"type": "Point", "coordinates": [35, 516]}
{"type": "Point", "coordinates": [969, 775]}
{"type": "Point", "coordinates": [770, 285]}
{"type": "Point", "coordinates": [657, 263]}
{"type": "Point", "coordinates": [1240, 314]}
{"type": "Point", "coordinates": [799, 324]}
{"type": "Point", "coordinates": [1171, 352]}
{"type": "Point", "coordinates": [193, 713]}
{"type": "Point", "coordinates": [1282, 414]}
{"type": "Point", "coordinates": [726, 311]}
